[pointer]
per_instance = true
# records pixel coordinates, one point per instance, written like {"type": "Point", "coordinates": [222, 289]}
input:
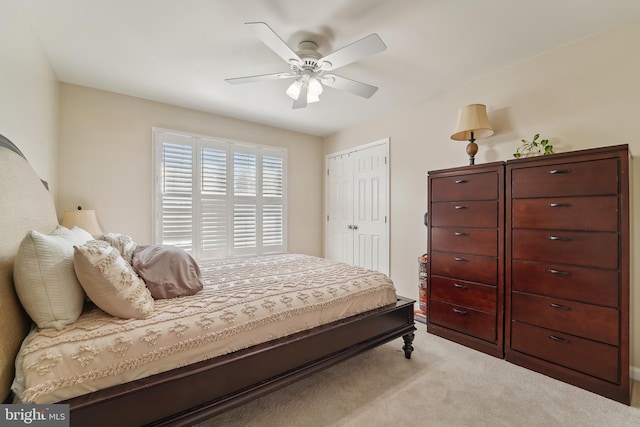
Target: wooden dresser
{"type": "Point", "coordinates": [466, 262]}
{"type": "Point", "coordinates": [567, 268]}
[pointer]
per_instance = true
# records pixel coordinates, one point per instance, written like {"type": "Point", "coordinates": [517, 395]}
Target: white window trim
{"type": "Point", "coordinates": [156, 191]}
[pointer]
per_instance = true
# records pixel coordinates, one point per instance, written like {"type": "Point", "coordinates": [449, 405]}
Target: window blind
{"type": "Point", "coordinates": [218, 198]}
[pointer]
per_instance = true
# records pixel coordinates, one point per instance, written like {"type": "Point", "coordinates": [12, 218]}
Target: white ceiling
{"type": "Point", "coordinates": [180, 51]}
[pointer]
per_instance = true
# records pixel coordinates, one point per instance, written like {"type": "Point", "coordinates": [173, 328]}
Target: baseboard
{"type": "Point", "coordinates": [635, 373]}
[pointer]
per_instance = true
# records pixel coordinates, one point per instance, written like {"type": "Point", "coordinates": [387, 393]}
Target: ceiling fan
{"type": "Point", "coordinates": [310, 69]}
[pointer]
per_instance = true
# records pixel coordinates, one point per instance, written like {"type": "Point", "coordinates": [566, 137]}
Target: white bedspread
{"type": "Point", "coordinates": [244, 302]}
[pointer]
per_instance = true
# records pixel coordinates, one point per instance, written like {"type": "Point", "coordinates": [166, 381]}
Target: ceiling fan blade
{"type": "Point", "coordinates": [357, 88]}
{"type": "Point", "coordinates": [301, 102]}
{"type": "Point", "coordinates": [260, 78]}
{"type": "Point", "coordinates": [273, 40]}
{"type": "Point", "coordinates": [353, 52]}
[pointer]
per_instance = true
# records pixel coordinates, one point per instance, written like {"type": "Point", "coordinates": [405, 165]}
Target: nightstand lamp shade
{"type": "Point", "coordinates": [85, 219]}
{"type": "Point", "coordinates": [473, 124]}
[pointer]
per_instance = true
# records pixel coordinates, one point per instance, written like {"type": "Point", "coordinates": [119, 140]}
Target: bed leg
{"type": "Point", "coordinates": [407, 347]}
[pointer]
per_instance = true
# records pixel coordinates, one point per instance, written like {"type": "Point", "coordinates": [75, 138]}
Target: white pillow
{"type": "Point", "coordinates": [110, 281]}
{"type": "Point", "coordinates": [45, 279]}
{"type": "Point", "coordinates": [123, 243]}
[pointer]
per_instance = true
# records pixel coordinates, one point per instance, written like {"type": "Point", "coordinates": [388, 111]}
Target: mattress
{"type": "Point", "coordinates": [244, 302]}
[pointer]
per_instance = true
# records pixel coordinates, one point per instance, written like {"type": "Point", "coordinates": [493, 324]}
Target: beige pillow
{"type": "Point", "coordinates": [45, 279]}
{"type": "Point", "coordinates": [123, 243]}
{"type": "Point", "coordinates": [168, 271]}
{"type": "Point", "coordinates": [110, 281]}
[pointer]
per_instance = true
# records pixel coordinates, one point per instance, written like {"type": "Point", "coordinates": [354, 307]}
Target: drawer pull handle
{"type": "Point", "coordinates": [460, 312]}
{"type": "Point", "coordinates": [561, 238]}
{"type": "Point", "coordinates": [560, 307]}
{"type": "Point", "coordinates": [459, 286]}
{"type": "Point", "coordinates": [461, 181]}
{"type": "Point", "coordinates": [558, 339]}
{"type": "Point", "coordinates": [459, 259]}
{"type": "Point", "coordinates": [457, 233]}
{"type": "Point", "coordinates": [555, 171]}
{"type": "Point", "coordinates": [462, 207]}
{"type": "Point", "coordinates": [559, 205]}
{"type": "Point", "coordinates": [561, 273]}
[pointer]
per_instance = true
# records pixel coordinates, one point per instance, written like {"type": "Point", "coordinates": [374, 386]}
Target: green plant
{"type": "Point", "coordinates": [533, 147]}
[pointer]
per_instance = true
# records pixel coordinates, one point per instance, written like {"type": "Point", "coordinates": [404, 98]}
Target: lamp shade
{"type": "Point", "coordinates": [85, 219]}
{"type": "Point", "coordinates": [472, 119]}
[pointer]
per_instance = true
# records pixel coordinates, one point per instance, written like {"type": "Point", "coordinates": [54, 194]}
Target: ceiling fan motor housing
{"type": "Point", "coordinates": [308, 53]}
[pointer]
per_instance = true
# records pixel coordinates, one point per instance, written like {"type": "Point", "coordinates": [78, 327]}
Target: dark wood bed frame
{"type": "Point", "coordinates": [193, 393]}
{"type": "Point", "coordinates": [196, 392]}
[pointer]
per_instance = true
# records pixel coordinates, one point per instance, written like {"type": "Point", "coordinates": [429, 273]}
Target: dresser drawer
{"type": "Point", "coordinates": [596, 177]}
{"type": "Point", "coordinates": [588, 285]}
{"type": "Point", "coordinates": [462, 319]}
{"type": "Point", "coordinates": [465, 240]}
{"type": "Point", "coordinates": [598, 213]}
{"type": "Point", "coordinates": [473, 268]}
{"type": "Point", "coordinates": [584, 320]}
{"type": "Point", "coordinates": [478, 186]}
{"type": "Point", "coordinates": [588, 249]}
{"type": "Point", "coordinates": [460, 292]}
{"type": "Point", "coordinates": [592, 358]}
{"type": "Point", "coordinates": [465, 214]}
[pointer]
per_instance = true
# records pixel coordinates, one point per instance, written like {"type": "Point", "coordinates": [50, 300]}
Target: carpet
{"type": "Point", "coordinates": [444, 384]}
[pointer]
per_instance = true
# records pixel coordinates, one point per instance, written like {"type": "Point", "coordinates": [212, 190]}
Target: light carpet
{"type": "Point", "coordinates": [444, 384]}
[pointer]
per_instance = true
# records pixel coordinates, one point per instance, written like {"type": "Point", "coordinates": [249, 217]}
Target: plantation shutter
{"type": "Point", "coordinates": [216, 198]}
{"type": "Point", "coordinates": [272, 201]}
{"type": "Point", "coordinates": [176, 203]}
{"type": "Point", "coordinates": [245, 191]}
{"type": "Point", "coordinates": [214, 226]}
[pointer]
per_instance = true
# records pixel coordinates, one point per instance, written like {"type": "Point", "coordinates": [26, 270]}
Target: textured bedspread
{"type": "Point", "coordinates": [244, 302]}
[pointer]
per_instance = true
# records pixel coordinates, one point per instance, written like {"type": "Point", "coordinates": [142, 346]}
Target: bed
{"type": "Point", "coordinates": [209, 380]}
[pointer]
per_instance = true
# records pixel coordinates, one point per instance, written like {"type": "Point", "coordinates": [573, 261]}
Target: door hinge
{"type": "Point", "coordinates": [385, 160]}
{"type": "Point", "coordinates": [385, 219]}
{"type": "Point", "coordinates": [327, 218]}
{"type": "Point", "coordinates": [327, 172]}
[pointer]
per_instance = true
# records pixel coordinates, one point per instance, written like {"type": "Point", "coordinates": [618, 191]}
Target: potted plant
{"type": "Point", "coordinates": [534, 147]}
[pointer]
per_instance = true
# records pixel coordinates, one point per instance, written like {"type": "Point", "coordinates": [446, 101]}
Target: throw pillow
{"type": "Point", "coordinates": [123, 243]}
{"type": "Point", "coordinates": [110, 282]}
{"type": "Point", "coordinates": [45, 279]}
{"type": "Point", "coordinates": [168, 271]}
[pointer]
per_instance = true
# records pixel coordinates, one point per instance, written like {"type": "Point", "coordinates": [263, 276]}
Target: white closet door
{"type": "Point", "coordinates": [357, 208]}
{"type": "Point", "coordinates": [339, 233]}
{"type": "Point", "coordinates": [370, 209]}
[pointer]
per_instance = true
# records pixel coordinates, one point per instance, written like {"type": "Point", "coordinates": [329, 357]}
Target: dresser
{"type": "Point", "coordinates": [466, 263]}
{"type": "Point", "coordinates": [567, 268]}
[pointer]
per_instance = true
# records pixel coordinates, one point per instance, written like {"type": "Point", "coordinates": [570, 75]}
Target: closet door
{"type": "Point", "coordinates": [357, 208]}
{"type": "Point", "coordinates": [339, 231]}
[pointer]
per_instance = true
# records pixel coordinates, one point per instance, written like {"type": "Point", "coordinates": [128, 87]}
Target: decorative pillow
{"type": "Point", "coordinates": [45, 279]}
{"type": "Point", "coordinates": [168, 271]}
{"type": "Point", "coordinates": [123, 243]}
{"type": "Point", "coordinates": [110, 281]}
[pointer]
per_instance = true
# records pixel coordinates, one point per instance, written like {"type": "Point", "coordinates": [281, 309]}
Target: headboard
{"type": "Point", "coordinates": [25, 204]}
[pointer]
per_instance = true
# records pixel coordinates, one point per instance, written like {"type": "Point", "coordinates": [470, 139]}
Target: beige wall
{"type": "Point", "coordinates": [105, 161]}
{"type": "Point", "coordinates": [28, 94]}
{"type": "Point", "coordinates": [580, 96]}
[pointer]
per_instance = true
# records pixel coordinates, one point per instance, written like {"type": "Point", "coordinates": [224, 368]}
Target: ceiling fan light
{"type": "Point", "coordinates": [294, 90]}
{"type": "Point", "coordinates": [312, 98]}
{"type": "Point", "coordinates": [315, 88]}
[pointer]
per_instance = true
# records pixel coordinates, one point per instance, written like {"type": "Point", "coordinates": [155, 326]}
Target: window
{"type": "Point", "coordinates": [217, 198]}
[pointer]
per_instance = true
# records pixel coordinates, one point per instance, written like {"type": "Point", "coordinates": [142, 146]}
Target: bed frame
{"type": "Point", "coordinates": [193, 393]}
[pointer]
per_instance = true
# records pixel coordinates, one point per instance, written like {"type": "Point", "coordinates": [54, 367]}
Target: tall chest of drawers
{"type": "Point", "coordinates": [466, 262]}
{"type": "Point", "coordinates": [567, 268]}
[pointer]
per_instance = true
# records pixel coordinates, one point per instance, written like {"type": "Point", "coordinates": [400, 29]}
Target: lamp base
{"type": "Point", "coordinates": [472, 149]}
